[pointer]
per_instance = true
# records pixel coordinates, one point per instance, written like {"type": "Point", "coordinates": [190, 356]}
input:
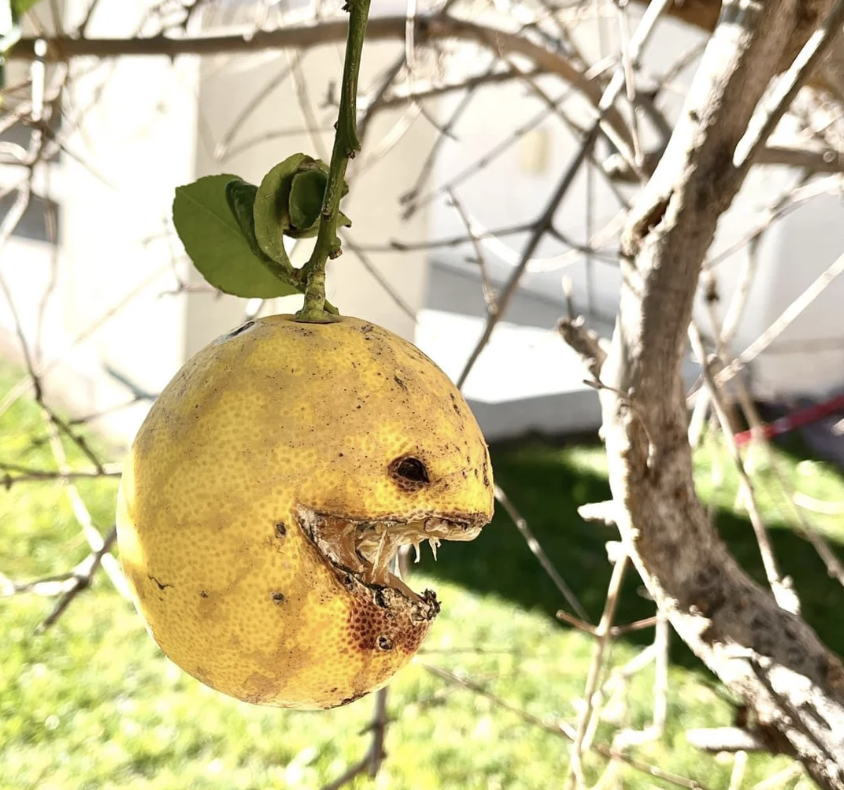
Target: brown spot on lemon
{"type": "Point", "coordinates": [255, 472]}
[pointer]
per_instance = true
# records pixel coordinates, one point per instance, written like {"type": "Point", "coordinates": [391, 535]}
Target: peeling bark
{"type": "Point", "coordinates": [772, 658]}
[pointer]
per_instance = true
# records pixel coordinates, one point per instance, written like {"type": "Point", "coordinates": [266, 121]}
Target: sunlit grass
{"type": "Point", "coordinates": [94, 704]}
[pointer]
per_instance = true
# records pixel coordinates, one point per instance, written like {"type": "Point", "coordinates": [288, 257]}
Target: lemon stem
{"type": "Point", "coordinates": [346, 145]}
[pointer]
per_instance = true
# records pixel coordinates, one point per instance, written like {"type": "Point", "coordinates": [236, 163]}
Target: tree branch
{"type": "Point", "coordinates": [772, 658]}
{"type": "Point", "coordinates": [704, 14]}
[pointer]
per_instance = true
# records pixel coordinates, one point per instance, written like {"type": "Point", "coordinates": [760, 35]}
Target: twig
{"type": "Point", "coordinates": [602, 637]}
{"type": "Point", "coordinates": [781, 587]}
{"type": "Point", "coordinates": [306, 107]}
{"type": "Point", "coordinates": [780, 778]}
{"type": "Point", "coordinates": [739, 766]}
{"type": "Point", "coordinates": [411, 196]}
{"type": "Point", "coordinates": [415, 201]}
{"type": "Point", "coordinates": [252, 105]}
{"type": "Point", "coordinates": [564, 730]}
{"type": "Point", "coordinates": [627, 738]}
{"type": "Point", "coordinates": [26, 384]}
{"type": "Point", "coordinates": [378, 101]}
{"type": "Point", "coordinates": [371, 762]}
{"type": "Point", "coordinates": [726, 739]}
{"type": "Point", "coordinates": [605, 513]}
{"type": "Point", "coordinates": [373, 270]}
{"type": "Point", "coordinates": [89, 14]}
{"type": "Point", "coordinates": [764, 122]}
{"type": "Point", "coordinates": [585, 342]}
{"type": "Point", "coordinates": [636, 625]}
{"type": "Point", "coordinates": [24, 474]}
{"type": "Point", "coordinates": [628, 67]}
{"type": "Point", "coordinates": [266, 137]}
{"type": "Point", "coordinates": [422, 91]}
{"type": "Point", "coordinates": [480, 258]}
{"type": "Point", "coordinates": [538, 552]}
{"type": "Point", "coordinates": [783, 322]}
{"type": "Point", "coordinates": [580, 625]}
{"type": "Point", "coordinates": [542, 225]}
{"type": "Point", "coordinates": [451, 241]}
{"type": "Point", "coordinates": [807, 502]}
{"type": "Point", "coordinates": [82, 577]}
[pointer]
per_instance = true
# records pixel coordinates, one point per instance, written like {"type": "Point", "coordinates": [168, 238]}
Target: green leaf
{"type": "Point", "coordinates": [306, 195]}
{"type": "Point", "coordinates": [240, 196]}
{"type": "Point", "coordinates": [270, 213]}
{"type": "Point", "coordinates": [215, 243]}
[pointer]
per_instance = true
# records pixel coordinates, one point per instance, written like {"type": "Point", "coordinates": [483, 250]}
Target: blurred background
{"type": "Point", "coordinates": [471, 112]}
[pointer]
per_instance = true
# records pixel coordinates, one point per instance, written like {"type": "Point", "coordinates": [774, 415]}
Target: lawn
{"type": "Point", "coordinates": [92, 703]}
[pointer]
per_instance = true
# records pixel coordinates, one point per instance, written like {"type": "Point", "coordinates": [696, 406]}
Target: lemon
{"type": "Point", "coordinates": [267, 492]}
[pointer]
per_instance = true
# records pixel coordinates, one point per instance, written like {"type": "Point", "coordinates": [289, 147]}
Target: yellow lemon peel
{"type": "Point", "coordinates": [268, 491]}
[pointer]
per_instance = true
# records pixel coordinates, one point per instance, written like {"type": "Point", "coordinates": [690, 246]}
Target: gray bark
{"type": "Point", "coordinates": [772, 658]}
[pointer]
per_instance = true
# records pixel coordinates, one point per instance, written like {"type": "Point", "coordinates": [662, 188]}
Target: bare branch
{"type": "Point", "coordinates": [782, 588]}
{"type": "Point", "coordinates": [727, 739]}
{"type": "Point", "coordinates": [453, 241]}
{"type": "Point", "coordinates": [422, 91]}
{"type": "Point", "coordinates": [428, 28]}
{"type": "Point", "coordinates": [602, 637]}
{"type": "Point", "coordinates": [25, 474]}
{"type": "Point", "coordinates": [371, 762]}
{"type": "Point", "coordinates": [564, 730]}
{"type": "Point", "coordinates": [600, 513]}
{"type": "Point", "coordinates": [480, 258]}
{"type": "Point", "coordinates": [81, 581]}
{"type": "Point", "coordinates": [586, 343]}
{"type": "Point", "coordinates": [538, 232]}
{"type": "Point", "coordinates": [379, 278]}
{"type": "Point", "coordinates": [767, 655]}
{"type": "Point", "coordinates": [539, 553]}
{"type": "Point", "coordinates": [835, 269]}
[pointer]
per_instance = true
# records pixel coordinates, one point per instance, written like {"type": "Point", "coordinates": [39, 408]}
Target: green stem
{"type": "Point", "coordinates": [346, 145]}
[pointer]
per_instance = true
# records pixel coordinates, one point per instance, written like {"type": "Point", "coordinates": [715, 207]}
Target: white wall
{"type": "Point", "coordinates": [515, 186]}
{"type": "Point", "coordinates": [134, 144]}
{"type": "Point", "coordinates": [148, 125]}
{"type": "Point", "coordinates": [807, 242]}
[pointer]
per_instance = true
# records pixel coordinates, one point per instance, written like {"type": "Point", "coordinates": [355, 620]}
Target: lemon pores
{"type": "Point", "coordinates": [266, 491]}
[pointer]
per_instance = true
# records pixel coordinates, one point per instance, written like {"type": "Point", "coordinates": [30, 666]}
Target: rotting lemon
{"type": "Point", "coordinates": [268, 490]}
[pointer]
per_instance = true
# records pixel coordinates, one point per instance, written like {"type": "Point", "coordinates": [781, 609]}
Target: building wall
{"type": "Point", "coordinates": [514, 187]}
{"type": "Point", "coordinates": [105, 315]}
{"type": "Point", "coordinates": [114, 327]}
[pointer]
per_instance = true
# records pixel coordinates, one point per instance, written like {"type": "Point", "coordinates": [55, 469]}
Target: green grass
{"type": "Point", "coordinates": [94, 704]}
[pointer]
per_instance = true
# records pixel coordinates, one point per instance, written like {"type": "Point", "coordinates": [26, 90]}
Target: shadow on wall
{"type": "Point", "coordinates": [547, 488]}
